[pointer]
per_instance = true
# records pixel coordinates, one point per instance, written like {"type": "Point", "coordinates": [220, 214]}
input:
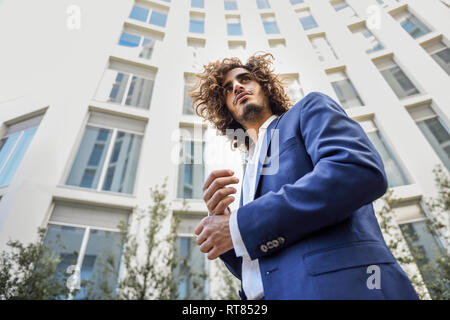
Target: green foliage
{"type": "Point", "coordinates": [230, 285]}
{"type": "Point", "coordinates": [30, 272]}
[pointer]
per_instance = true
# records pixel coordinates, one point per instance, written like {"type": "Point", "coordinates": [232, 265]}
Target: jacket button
{"type": "Point", "coordinates": [269, 244]}
{"type": "Point", "coordinates": [275, 243]}
{"type": "Point", "coordinates": [281, 240]}
{"type": "Point", "coordinates": [263, 248]}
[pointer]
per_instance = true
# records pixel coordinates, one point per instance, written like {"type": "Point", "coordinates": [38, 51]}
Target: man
{"type": "Point", "coordinates": [305, 227]}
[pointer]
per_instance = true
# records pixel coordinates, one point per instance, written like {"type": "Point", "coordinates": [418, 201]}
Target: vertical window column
{"type": "Point", "coordinates": [434, 129]}
{"type": "Point", "coordinates": [440, 52]}
{"type": "Point", "coordinates": [108, 155]}
{"type": "Point", "coordinates": [396, 78]}
{"type": "Point", "coordinates": [344, 89]}
{"type": "Point", "coordinates": [395, 175]}
{"type": "Point", "coordinates": [191, 169]}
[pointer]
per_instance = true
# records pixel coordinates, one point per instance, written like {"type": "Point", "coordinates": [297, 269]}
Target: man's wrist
{"type": "Point", "coordinates": [238, 243]}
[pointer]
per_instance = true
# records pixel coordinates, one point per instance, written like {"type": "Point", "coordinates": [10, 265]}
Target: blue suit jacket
{"type": "Point", "coordinates": [312, 224]}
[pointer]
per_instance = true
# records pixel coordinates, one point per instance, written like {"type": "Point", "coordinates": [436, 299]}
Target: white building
{"type": "Point", "coordinates": [94, 111]}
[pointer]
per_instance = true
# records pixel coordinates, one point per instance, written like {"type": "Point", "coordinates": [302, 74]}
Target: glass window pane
{"type": "Point", "coordinates": [117, 87]}
{"type": "Point", "coordinates": [10, 167]}
{"type": "Point", "coordinates": [296, 1]}
{"type": "Point", "coordinates": [102, 247]}
{"type": "Point", "coordinates": [7, 145]}
{"type": "Point", "coordinates": [308, 22]}
{"type": "Point", "coordinates": [414, 27]}
{"type": "Point", "coordinates": [88, 164]}
{"type": "Point", "coordinates": [192, 266]}
{"type": "Point", "coordinates": [147, 48]}
{"type": "Point", "coordinates": [271, 27]}
{"type": "Point", "coordinates": [196, 26]}
{"type": "Point", "coordinates": [263, 4]}
{"type": "Point", "coordinates": [425, 246]}
{"type": "Point", "coordinates": [399, 82]}
{"type": "Point", "coordinates": [140, 93]}
{"type": "Point", "coordinates": [66, 242]}
{"type": "Point", "coordinates": [158, 18]}
{"type": "Point", "coordinates": [438, 137]}
{"type": "Point", "coordinates": [347, 95]}
{"type": "Point", "coordinates": [234, 29]}
{"type": "Point", "coordinates": [197, 3]}
{"type": "Point", "coordinates": [230, 5]}
{"type": "Point", "coordinates": [187, 109]}
{"type": "Point", "coordinates": [190, 174]}
{"type": "Point", "coordinates": [139, 13]}
{"type": "Point", "coordinates": [394, 173]}
{"type": "Point", "coordinates": [122, 166]}
{"type": "Point", "coordinates": [129, 40]}
{"type": "Point", "coordinates": [443, 59]}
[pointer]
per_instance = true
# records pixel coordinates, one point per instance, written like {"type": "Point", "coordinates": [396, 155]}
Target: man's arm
{"type": "Point", "coordinates": [348, 173]}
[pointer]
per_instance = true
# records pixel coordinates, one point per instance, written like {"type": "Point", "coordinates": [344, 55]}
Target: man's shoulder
{"type": "Point", "coordinates": [311, 97]}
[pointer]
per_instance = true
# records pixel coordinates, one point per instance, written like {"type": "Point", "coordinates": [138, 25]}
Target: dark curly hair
{"type": "Point", "coordinates": [208, 100]}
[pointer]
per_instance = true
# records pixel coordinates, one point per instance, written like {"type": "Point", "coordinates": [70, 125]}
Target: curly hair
{"type": "Point", "coordinates": [208, 100]}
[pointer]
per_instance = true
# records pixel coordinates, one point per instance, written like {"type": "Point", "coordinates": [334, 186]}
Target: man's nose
{"type": "Point", "coordinates": [237, 87]}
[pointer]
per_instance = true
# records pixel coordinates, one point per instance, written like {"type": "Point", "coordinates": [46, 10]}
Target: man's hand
{"type": "Point", "coordinates": [214, 235]}
{"type": "Point", "coordinates": [215, 193]}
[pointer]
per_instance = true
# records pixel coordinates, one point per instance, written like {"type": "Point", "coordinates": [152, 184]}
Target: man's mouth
{"type": "Point", "coordinates": [241, 96]}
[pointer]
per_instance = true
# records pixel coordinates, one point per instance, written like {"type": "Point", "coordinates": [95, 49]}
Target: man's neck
{"type": "Point", "coordinates": [253, 128]}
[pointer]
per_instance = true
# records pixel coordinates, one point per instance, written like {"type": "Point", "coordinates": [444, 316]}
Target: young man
{"type": "Point", "coordinates": [305, 227]}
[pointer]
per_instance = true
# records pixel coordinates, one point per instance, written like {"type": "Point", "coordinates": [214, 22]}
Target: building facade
{"type": "Point", "coordinates": [95, 111]}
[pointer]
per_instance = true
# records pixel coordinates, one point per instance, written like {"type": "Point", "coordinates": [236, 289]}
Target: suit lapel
{"type": "Point", "coordinates": [264, 148]}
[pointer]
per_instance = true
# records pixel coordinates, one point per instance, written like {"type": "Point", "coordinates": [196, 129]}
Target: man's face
{"type": "Point", "coordinates": [244, 96]}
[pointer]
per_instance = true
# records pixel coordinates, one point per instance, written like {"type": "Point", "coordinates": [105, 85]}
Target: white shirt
{"type": "Point", "coordinates": [251, 275]}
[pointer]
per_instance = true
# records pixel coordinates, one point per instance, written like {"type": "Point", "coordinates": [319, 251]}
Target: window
{"type": "Point", "coordinates": [149, 14]}
{"type": "Point", "coordinates": [263, 4]}
{"type": "Point", "coordinates": [126, 85]}
{"type": "Point", "coordinates": [411, 24]}
{"type": "Point", "coordinates": [440, 52]}
{"type": "Point", "coordinates": [396, 78]}
{"type": "Point", "coordinates": [293, 87]}
{"type": "Point", "coordinates": [307, 20]}
{"type": "Point", "coordinates": [425, 247]}
{"type": "Point", "coordinates": [187, 103]}
{"type": "Point", "coordinates": [344, 9]}
{"type": "Point", "coordinates": [344, 89]}
{"type": "Point", "coordinates": [234, 26]}
{"type": "Point", "coordinates": [87, 237]}
{"type": "Point", "coordinates": [367, 39]}
{"type": "Point", "coordinates": [13, 146]}
{"type": "Point", "coordinates": [108, 155]}
{"type": "Point", "coordinates": [230, 5]}
{"type": "Point", "coordinates": [386, 3]}
{"type": "Point", "coordinates": [394, 173]}
{"type": "Point", "coordinates": [434, 129]}
{"type": "Point", "coordinates": [137, 44]}
{"type": "Point", "coordinates": [323, 49]}
{"type": "Point", "coordinates": [270, 24]}
{"type": "Point", "coordinates": [294, 2]}
{"type": "Point", "coordinates": [197, 23]}
{"type": "Point", "coordinates": [191, 170]}
{"type": "Point", "coordinates": [197, 3]}
{"type": "Point", "coordinates": [192, 270]}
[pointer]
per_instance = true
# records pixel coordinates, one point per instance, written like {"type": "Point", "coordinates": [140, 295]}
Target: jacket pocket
{"type": "Point", "coordinates": [351, 255]}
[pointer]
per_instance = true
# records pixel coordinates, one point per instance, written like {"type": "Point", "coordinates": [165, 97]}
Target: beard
{"type": "Point", "coordinates": [252, 112]}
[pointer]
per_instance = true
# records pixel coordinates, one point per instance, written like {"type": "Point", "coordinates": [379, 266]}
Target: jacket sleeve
{"type": "Point", "coordinates": [233, 263]}
{"type": "Point", "coordinates": [348, 173]}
